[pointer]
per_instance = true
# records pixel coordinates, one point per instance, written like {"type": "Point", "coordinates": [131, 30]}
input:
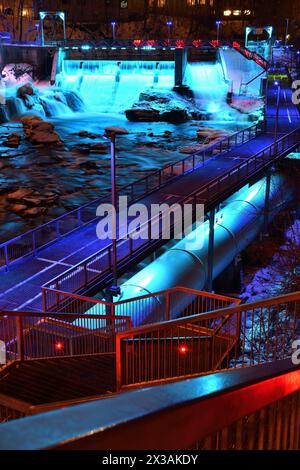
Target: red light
{"type": "Point", "coordinates": [183, 349]}
{"type": "Point", "coordinates": [197, 43]}
{"type": "Point", "coordinates": [151, 42]}
{"type": "Point", "coordinates": [180, 44]}
{"type": "Point", "coordinates": [59, 346]}
{"type": "Point", "coordinates": [137, 42]}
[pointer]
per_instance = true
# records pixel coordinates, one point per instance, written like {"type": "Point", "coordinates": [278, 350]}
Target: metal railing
{"type": "Point", "coordinates": [98, 266]}
{"type": "Point", "coordinates": [30, 335]}
{"type": "Point", "coordinates": [144, 309]}
{"type": "Point", "coordinates": [29, 243]}
{"type": "Point", "coordinates": [261, 61]}
{"type": "Point", "coordinates": [235, 337]}
{"type": "Point", "coordinates": [254, 408]}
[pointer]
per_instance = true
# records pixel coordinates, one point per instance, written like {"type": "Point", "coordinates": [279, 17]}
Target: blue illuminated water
{"type": "Point", "coordinates": [113, 86]}
{"type": "Point", "coordinates": [208, 85]}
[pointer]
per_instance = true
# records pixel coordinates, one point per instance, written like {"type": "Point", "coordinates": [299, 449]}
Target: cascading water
{"type": "Point", "coordinates": [113, 86]}
{"type": "Point", "coordinates": [45, 102]}
{"type": "Point", "coordinates": [208, 85]}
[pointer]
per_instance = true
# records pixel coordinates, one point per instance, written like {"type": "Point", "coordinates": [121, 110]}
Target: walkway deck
{"type": "Point", "coordinates": [21, 286]}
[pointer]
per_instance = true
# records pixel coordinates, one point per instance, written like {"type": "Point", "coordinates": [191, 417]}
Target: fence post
{"type": "Point", "coordinates": [20, 339]}
{"type": "Point", "coordinates": [167, 305]}
{"type": "Point", "coordinates": [6, 257]}
{"type": "Point", "coordinates": [79, 218]}
{"type": "Point", "coordinates": [44, 300]}
{"type": "Point", "coordinates": [118, 363]}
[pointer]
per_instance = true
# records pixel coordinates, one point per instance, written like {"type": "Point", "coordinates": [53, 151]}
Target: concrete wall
{"type": "Point", "coordinates": [39, 57]}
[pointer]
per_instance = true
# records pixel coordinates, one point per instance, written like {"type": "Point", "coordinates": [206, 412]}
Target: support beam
{"type": "Point", "coordinates": [180, 66]}
{"type": "Point", "coordinates": [210, 256]}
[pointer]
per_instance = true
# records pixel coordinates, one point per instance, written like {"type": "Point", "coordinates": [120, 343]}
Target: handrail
{"type": "Point", "coordinates": [36, 335]}
{"type": "Point", "coordinates": [210, 193]}
{"type": "Point", "coordinates": [144, 309]}
{"type": "Point", "coordinates": [226, 311]}
{"type": "Point", "coordinates": [151, 182]}
{"type": "Point", "coordinates": [260, 331]}
{"type": "Point", "coordinates": [203, 405]}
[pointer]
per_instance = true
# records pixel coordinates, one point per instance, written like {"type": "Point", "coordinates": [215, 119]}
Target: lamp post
{"type": "Point", "coordinates": [278, 84]}
{"type": "Point", "coordinates": [169, 24]}
{"type": "Point", "coordinates": [218, 24]}
{"type": "Point", "coordinates": [114, 24]}
{"type": "Point", "coordinates": [110, 133]}
{"type": "Point", "coordinates": [286, 31]}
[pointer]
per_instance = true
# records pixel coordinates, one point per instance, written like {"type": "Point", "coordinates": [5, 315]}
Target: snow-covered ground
{"type": "Point", "coordinates": [267, 333]}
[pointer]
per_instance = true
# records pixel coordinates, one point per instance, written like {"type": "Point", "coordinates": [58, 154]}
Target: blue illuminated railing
{"type": "Point", "coordinates": [29, 243]}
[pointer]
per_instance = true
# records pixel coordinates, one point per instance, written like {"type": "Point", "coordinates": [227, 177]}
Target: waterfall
{"type": "Point", "coordinates": [113, 86]}
{"type": "Point", "coordinates": [45, 102]}
{"type": "Point", "coordinates": [209, 87]}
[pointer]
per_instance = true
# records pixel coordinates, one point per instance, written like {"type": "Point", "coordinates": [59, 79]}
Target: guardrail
{"type": "Point", "coordinates": [30, 335]}
{"type": "Point", "coordinates": [256, 408]}
{"type": "Point", "coordinates": [144, 309]}
{"type": "Point", "coordinates": [261, 61]}
{"type": "Point", "coordinates": [239, 336]}
{"type": "Point", "coordinates": [31, 242]}
{"type": "Point", "coordinates": [99, 266]}
{"type": "Point", "coordinates": [134, 43]}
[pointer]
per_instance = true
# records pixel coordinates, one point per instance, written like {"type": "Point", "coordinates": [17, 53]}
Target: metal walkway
{"type": "Point", "coordinates": [21, 285]}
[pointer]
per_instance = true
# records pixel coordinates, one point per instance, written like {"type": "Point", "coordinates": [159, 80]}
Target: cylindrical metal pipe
{"type": "Point", "coordinates": [237, 224]}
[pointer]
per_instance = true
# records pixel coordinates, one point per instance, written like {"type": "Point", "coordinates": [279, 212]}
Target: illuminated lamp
{"type": "Point", "coordinates": [137, 42]}
{"type": "Point", "coordinates": [183, 349]}
{"type": "Point", "coordinates": [59, 346]}
{"type": "Point", "coordinates": [151, 42]}
{"type": "Point", "coordinates": [227, 12]}
{"type": "Point", "coordinates": [197, 43]}
{"type": "Point", "coordinates": [180, 44]}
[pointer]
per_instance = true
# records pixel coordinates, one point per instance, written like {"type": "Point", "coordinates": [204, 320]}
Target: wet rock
{"type": "Point", "coordinates": [142, 114]}
{"type": "Point", "coordinates": [25, 90]}
{"type": "Point", "coordinates": [34, 212]}
{"type": "Point", "coordinates": [19, 194]}
{"type": "Point", "coordinates": [13, 140]}
{"type": "Point", "coordinates": [116, 130]}
{"type": "Point", "coordinates": [162, 106]}
{"type": "Point", "coordinates": [40, 132]}
{"type": "Point", "coordinates": [32, 201]}
{"type": "Point", "coordinates": [99, 147]}
{"type": "Point", "coordinates": [87, 134]}
{"type": "Point", "coordinates": [18, 208]}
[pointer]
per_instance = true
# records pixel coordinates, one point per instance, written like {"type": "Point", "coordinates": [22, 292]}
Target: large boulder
{"type": "Point", "coordinates": [154, 105]}
{"type": "Point", "coordinates": [40, 132]}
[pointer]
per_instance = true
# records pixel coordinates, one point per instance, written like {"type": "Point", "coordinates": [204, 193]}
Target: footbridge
{"type": "Point", "coordinates": [66, 255]}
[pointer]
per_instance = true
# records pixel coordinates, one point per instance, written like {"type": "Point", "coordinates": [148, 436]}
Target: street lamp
{"type": "Point", "coordinates": [286, 31]}
{"type": "Point", "coordinates": [114, 24]}
{"type": "Point", "coordinates": [110, 133]}
{"type": "Point", "coordinates": [218, 24]}
{"type": "Point", "coordinates": [169, 24]}
{"type": "Point", "coordinates": [278, 85]}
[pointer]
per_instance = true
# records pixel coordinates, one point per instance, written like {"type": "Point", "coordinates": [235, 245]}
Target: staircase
{"type": "Point", "coordinates": [30, 387]}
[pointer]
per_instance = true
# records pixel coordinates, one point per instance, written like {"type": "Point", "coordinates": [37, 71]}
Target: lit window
{"type": "Point", "coordinates": [193, 3]}
{"type": "Point", "coordinates": [237, 12]}
{"type": "Point", "coordinates": [247, 12]}
{"type": "Point", "coordinates": [161, 3]}
{"type": "Point", "coordinates": [227, 13]}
